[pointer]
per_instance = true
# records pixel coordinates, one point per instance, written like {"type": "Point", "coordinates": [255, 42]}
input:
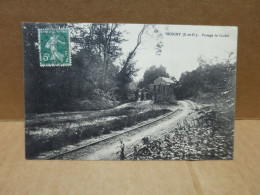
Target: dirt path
{"type": "Point", "coordinates": [108, 149]}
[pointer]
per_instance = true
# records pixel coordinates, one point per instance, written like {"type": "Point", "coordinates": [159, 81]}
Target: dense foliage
{"type": "Point", "coordinates": [207, 79]}
{"type": "Point", "coordinates": [153, 73]}
{"type": "Point", "coordinates": [93, 75]}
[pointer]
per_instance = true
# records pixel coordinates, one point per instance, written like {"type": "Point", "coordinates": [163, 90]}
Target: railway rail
{"type": "Point", "coordinates": [94, 143]}
{"type": "Point", "coordinates": [128, 156]}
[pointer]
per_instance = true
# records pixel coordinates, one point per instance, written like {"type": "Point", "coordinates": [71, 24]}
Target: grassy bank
{"type": "Point", "coordinates": [74, 129]}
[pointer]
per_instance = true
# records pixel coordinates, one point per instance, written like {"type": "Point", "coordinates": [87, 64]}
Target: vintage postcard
{"type": "Point", "coordinates": [129, 91]}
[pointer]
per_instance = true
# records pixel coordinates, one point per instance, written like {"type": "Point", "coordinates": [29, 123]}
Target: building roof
{"type": "Point", "coordinates": [164, 80]}
{"type": "Point", "coordinates": [168, 80]}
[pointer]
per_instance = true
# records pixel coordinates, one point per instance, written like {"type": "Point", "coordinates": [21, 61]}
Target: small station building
{"type": "Point", "coordinates": [162, 85]}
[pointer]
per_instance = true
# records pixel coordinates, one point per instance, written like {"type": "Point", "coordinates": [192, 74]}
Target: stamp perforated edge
{"type": "Point", "coordinates": [39, 42]}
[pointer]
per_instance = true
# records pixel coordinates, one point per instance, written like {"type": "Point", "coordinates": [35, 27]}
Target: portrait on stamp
{"type": "Point", "coordinates": [129, 91]}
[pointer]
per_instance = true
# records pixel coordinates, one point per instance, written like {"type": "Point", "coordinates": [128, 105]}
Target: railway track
{"type": "Point", "coordinates": [164, 134]}
{"type": "Point", "coordinates": [111, 137]}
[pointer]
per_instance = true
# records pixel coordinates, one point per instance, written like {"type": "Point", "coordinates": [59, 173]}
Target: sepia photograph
{"type": "Point", "coordinates": [114, 91]}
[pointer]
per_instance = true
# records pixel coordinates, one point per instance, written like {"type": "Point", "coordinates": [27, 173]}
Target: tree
{"type": "Point", "coordinates": [125, 76]}
{"type": "Point", "coordinates": [103, 40]}
{"type": "Point", "coordinates": [151, 74]}
{"type": "Point", "coordinates": [94, 49]}
{"type": "Point", "coordinates": [109, 40]}
{"type": "Point", "coordinates": [211, 79]}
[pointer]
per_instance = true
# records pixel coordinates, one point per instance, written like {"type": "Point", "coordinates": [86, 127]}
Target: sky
{"type": "Point", "coordinates": [179, 53]}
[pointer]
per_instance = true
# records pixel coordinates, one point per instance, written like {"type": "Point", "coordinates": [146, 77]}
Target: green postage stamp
{"type": "Point", "coordinates": [54, 47]}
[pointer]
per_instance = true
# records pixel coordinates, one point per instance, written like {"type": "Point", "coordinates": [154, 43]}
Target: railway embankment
{"type": "Point", "coordinates": [52, 132]}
